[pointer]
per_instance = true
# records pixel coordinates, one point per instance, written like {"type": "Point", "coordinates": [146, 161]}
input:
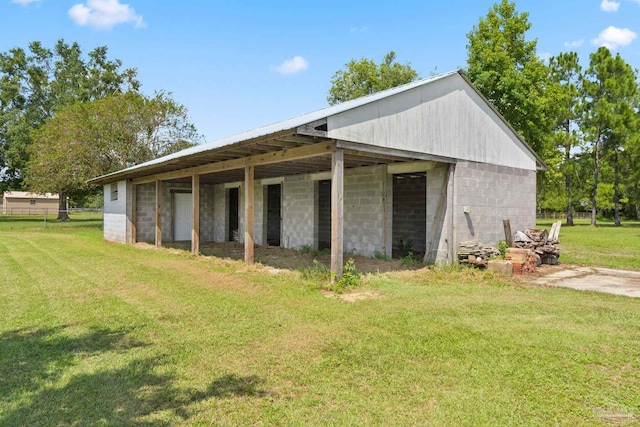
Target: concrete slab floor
{"type": "Point", "coordinates": [618, 282]}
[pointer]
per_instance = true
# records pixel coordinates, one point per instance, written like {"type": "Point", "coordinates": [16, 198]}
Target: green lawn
{"type": "Point", "coordinates": [603, 245]}
{"type": "Point", "coordinates": [94, 333]}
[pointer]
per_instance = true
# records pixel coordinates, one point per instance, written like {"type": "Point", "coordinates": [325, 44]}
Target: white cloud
{"type": "Point", "coordinates": [609, 5]}
{"type": "Point", "coordinates": [574, 43]}
{"type": "Point", "coordinates": [544, 56]}
{"type": "Point", "coordinates": [293, 65]}
{"type": "Point", "coordinates": [25, 2]}
{"type": "Point", "coordinates": [613, 37]}
{"type": "Point", "coordinates": [104, 14]}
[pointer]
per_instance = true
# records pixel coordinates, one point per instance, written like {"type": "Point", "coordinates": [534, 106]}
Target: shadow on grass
{"type": "Point", "coordinates": [34, 390]}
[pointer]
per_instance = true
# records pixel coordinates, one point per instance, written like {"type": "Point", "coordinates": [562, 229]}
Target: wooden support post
{"type": "Point", "coordinates": [248, 214]}
{"type": "Point", "coordinates": [134, 214]}
{"type": "Point", "coordinates": [438, 217]}
{"type": "Point", "coordinates": [508, 237]}
{"type": "Point", "coordinates": [195, 197]}
{"type": "Point", "coordinates": [337, 210]}
{"type": "Point", "coordinates": [158, 213]}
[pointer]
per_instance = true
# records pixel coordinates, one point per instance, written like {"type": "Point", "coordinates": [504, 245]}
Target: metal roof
{"type": "Point", "coordinates": [277, 127]}
{"type": "Point", "coordinates": [28, 195]}
{"type": "Point", "coordinates": [234, 146]}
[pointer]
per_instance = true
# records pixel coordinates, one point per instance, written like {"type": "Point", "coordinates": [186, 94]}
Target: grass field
{"type": "Point", "coordinates": [94, 333]}
{"type": "Point", "coordinates": [603, 245]}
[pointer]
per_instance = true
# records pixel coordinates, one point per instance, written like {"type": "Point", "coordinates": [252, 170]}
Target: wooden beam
{"type": "Point", "coordinates": [248, 214]}
{"type": "Point", "coordinates": [337, 210]}
{"type": "Point", "coordinates": [272, 157]}
{"type": "Point", "coordinates": [355, 147]}
{"type": "Point", "coordinates": [438, 217]}
{"type": "Point", "coordinates": [195, 230]}
{"type": "Point", "coordinates": [311, 129]}
{"type": "Point", "coordinates": [409, 167]}
{"type": "Point", "coordinates": [134, 214]}
{"type": "Point", "coordinates": [158, 213]}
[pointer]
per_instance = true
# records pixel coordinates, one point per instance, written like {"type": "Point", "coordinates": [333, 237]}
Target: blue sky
{"type": "Point", "coordinates": [238, 65]}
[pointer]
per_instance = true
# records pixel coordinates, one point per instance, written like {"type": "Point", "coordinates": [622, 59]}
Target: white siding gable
{"type": "Point", "coordinates": [444, 118]}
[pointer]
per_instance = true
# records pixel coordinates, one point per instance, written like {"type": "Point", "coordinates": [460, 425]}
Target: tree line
{"type": "Point", "coordinates": [66, 117]}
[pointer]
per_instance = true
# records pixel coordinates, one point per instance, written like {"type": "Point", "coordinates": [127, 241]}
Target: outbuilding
{"type": "Point", "coordinates": [418, 167]}
{"type": "Point", "coordinates": [26, 203]}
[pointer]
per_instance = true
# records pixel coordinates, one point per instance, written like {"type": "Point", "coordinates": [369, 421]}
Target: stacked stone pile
{"type": "Point", "coordinates": [472, 252]}
{"type": "Point", "coordinates": [542, 243]}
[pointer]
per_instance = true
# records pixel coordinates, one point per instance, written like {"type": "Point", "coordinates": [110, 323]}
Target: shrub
{"type": "Point", "coordinates": [502, 247]}
{"type": "Point", "coordinates": [350, 278]}
{"type": "Point", "coordinates": [317, 272]}
{"type": "Point", "coordinates": [305, 249]}
{"type": "Point", "coordinates": [381, 255]}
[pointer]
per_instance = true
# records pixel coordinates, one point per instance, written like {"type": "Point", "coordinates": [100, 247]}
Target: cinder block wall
{"type": "Point", "coordinates": [297, 211]}
{"type": "Point", "coordinates": [146, 213]}
{"type": "Point", "coordinates": [439, 247]}
{"type": "Point", "coordinates": [206, 212]}
{"type": "Point", "coordinates": [492, 193]}
{"type": "Point", "coordinates": [364, 209]}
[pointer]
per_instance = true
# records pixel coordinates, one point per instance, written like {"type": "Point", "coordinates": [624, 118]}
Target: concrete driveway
{"type": "Point", "coordinates": [618, 282]}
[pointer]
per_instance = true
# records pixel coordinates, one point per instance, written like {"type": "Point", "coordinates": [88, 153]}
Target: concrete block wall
{"type": "Point", "coordinates": [492, 193]}
{"type": "Point", "coordinates": [219, 214]}
{"type": "Point", "coordinates": [146, 213]}
{"type": "Point", "coordinates": [258, 214]}
{"type": "Point", "coordinates": [298, 209]}
{"type": "Point", "coordinates": [206, 212]}
{"type": "Point", "coordinates": [364, 209]}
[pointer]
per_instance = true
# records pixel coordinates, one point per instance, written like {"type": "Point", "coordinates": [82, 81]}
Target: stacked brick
{"type": "Point", "coordinates": [523, 260]}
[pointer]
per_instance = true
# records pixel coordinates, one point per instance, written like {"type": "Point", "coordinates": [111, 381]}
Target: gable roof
{"type": "Point", "coordinates": [235, 141]}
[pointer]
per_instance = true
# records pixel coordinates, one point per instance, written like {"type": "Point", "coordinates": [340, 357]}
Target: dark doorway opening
{"type": "Point", "coordinates": [233, 198]}
{"type": "Point", "coordinates": [409, 227]}
{"type": "Point", "coordinates": [274, 214]}
{"type": "Point", "coordinates": [324, 214]}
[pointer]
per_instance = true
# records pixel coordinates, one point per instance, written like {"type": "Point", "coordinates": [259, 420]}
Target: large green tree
{"type": "Point", "coordinates": [88, 139]}
{"type": "Point", "coordinates": [365, 77]}
{"type": "Point", "coordinates": [609, 117]}
{"type": "Point", "coordinates": [505, 68]}
{"type": "Point", "coordinates": [566, 72]}
{"type": "Point", "coordinates": [37, 82]}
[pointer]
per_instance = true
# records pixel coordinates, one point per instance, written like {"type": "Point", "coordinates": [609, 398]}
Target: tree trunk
{"type": "Point", "coordinates": [63, 213]}
{"type": "Point", "coordinates": [596, 173]}
{"type": "Point", "coordinates": [616, 189]}
{"type": "Point", "coordinates": [567, 179]}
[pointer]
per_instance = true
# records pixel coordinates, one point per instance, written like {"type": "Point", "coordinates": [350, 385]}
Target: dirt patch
{"type": "Point", "coordinates": [353, 296]}
{"type": "Point", "coordinates": [280, 258]}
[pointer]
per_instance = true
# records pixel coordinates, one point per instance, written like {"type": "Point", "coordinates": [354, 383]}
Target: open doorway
{"type": "Point", "coordinates": [324, 214]}
{"type": "Point", "coordinates": [273, 213]}
{"type": "Point", "coordinates": [409, 223]}
{"type": "Point", "coordinates": [233, 207]}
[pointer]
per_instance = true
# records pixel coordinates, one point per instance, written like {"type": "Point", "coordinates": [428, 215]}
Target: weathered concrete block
{"type": "Point", "coordinates": [501, 267]}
